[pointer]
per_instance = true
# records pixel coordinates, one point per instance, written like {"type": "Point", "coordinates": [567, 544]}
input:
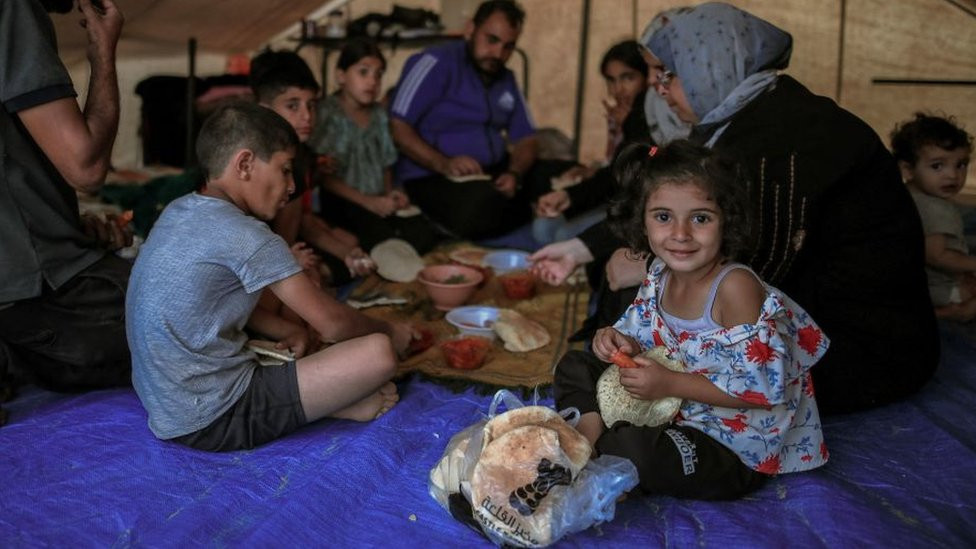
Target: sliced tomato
{"type": "Point", "coordinates": [466, 353]}
{"type": "Point", "coordinates": [518, 285]}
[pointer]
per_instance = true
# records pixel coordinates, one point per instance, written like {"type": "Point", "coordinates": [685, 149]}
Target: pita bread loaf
{"type": "Point", "coordinates": [514, 483]}
{"type": "Point", "coordinates": [445, 477]}
{"type": "Point", "coordinates": [520, 334]}
{"type": "Point", "coordinates": [396, 260]}
{"type": "Point", "coordinates": [469, 178]}
{"type": "Point", "coordinates": [575, 445]}
{"type": "Point", "coordinates": [468, 256]}
{"type": "Point", "coordinates": [616, 404]}
{"type": "Point", "coordinates": [409, 211]}
{"type": "Point", "coordinates": [267, 352]}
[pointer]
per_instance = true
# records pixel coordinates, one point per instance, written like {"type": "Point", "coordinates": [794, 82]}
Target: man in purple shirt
{"type": "Point", "coordinates": [457, 111]}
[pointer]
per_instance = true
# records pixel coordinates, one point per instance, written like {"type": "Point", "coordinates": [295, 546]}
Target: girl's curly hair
{"type": "Point", "coordinates": [639, 174]}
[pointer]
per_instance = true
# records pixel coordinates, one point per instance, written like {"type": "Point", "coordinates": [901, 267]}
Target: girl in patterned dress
{"type": "Point", "coordinates": [748, 409]}
{"type": "Point", "coordinates": [354, 131]}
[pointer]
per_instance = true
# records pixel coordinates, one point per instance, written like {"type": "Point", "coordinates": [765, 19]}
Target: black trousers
{"type": "Point", "coordinates": [475, 210]}
{"type": "Point", "coordinates": [671, 460]}
{"type": "Point", "coordinates": [372, 229]}
{"type": "Point", "coordinates": [72, 338]}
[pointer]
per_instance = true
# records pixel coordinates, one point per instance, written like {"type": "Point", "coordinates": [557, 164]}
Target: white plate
{"type": "Point", "coordinates": [474, 320]}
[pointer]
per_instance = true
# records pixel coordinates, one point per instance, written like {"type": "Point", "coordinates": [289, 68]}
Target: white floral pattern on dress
{"type": "Point", "coordinates": [765, 363]}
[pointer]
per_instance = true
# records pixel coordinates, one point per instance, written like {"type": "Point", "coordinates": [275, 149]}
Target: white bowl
{"type": "Point", "coordinates": [474, 320]}
{"type": "Point", "coordinates": [503, 261]}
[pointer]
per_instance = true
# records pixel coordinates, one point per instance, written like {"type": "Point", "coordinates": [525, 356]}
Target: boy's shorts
{"type": "Point", "coordinates": [270, 408]}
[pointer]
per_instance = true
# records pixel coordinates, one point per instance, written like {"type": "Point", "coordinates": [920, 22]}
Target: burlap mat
{"type": "Point", "coordinates": [560, 309]}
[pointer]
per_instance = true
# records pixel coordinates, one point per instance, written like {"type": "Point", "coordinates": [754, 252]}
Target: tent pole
{"type": "Point", "coordinates": [633, 19]}
{"type": "Point", "coordinates": [191, 94]}
{"type": "Point", "coordinates": [840, 51]}
{"type": "Point", "coordinates": [581, 77]}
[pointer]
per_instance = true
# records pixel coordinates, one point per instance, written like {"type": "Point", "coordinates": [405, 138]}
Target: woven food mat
{"type": "Point", "coordinates": [561, 310]}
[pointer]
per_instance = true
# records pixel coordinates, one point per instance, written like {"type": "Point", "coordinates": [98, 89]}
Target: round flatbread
{"type": "Point", "coordinates": [520, 334]}
{"type": "Point", "coordinates": [575, 445]}
{"type": "Point", "coordinates": [616, 404]}
{"type": "Point", "coordinates": [474, 177]}
{"type": "Point", "coordinates": [515, 483]}
{"type": "Point", "coordinates": [396, 260]}
{"type": "Point", "coordinates": [267, 352]}
{"type": "Point", "coordinates": [468, 256]}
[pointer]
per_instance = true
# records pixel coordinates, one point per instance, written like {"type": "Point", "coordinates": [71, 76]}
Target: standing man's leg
{"type": "Point", "coordinates": [72, 338]}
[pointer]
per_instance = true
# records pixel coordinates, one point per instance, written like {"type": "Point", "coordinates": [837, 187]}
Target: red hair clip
{"type": "Point", "coordinates": [652, 151]}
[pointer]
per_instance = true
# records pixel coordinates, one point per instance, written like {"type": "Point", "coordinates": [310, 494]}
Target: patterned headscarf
{"type": "Point", "coordinates": [724, 56]}
{"type": "Point", "coordinates": [664, 124]}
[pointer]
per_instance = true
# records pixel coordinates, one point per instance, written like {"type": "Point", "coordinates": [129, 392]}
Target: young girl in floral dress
{"type": "Point", "coordinates": [748, 409]}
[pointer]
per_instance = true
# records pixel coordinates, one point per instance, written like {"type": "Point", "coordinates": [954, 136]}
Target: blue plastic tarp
{"type": "Point", "coordinates": [84, 470]}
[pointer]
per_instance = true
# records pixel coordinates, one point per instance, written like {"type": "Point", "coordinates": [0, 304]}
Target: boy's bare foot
{"type": "Point", "coordinates": [390, 397]}
{"type": "Point", "coordinates": [371, 407]}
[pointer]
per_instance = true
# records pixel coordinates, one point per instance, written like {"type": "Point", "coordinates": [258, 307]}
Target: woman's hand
{"type": "Point", "coordinates": [616, 112]}
{"type": "Point", "coordinates": [608, 340]}
{"type": "Point", "coordinates": [506, 184]}
{"type": "Point", "coordinates": [573, 176]}
{"type": "Point", "coordinates": [555, 262]}
{"type": "Point", "coordinates": [552, 204]}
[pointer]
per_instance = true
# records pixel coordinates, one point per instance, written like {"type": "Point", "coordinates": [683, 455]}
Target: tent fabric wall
{"type": "Point", "coordinates": [840, 45]}
{"type": "Point", "coordinates": [131, 71]}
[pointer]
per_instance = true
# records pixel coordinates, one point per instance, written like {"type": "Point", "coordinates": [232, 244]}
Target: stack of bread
{"type": "Point", "coordinates": [528, 456]}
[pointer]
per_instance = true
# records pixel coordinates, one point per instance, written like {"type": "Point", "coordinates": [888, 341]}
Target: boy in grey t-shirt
{"type": "Point", "coordinates": [933, 155]}
{"type": "Point", "coordinates": [194, 288]}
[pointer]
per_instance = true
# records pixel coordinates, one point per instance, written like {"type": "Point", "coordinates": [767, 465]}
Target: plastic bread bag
{"type": "Point", "coordinates": [455, 465]}
{"type": "Point", "coordinates": [527, 478]}
{"type": "Point", "coordinates": [462, 452]}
